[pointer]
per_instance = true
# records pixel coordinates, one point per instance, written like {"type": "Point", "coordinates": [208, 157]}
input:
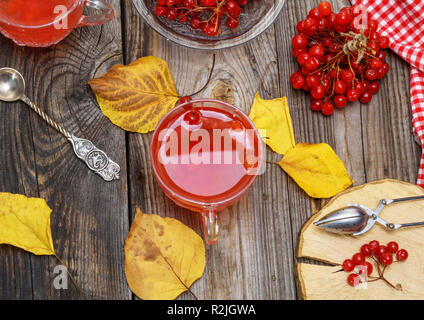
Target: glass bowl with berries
{"type": "Point", "coordinates": [209, 24]}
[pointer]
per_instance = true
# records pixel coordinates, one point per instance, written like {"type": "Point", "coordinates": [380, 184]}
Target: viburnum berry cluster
{"type": "Point", "coordinates": [340, 60]}
{"type": "Point", "coordinates": [206, 15]}
{"type": "Point", "coordinates": [381, 255]}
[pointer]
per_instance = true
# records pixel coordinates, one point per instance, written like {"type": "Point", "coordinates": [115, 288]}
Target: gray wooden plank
{"type": "Point", "coordinates": [90, 216]}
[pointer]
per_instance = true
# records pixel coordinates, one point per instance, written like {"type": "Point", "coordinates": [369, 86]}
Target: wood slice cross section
{"type": "Point", "coordinates": [328, 282]}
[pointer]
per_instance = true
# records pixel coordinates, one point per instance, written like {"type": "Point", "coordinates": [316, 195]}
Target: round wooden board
{"type": "Point", "coordinates": [325, 282]}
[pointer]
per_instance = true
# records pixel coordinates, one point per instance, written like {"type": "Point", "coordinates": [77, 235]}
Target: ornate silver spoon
{"type": "Point", "coordinates": [357, 219]}
{"type": "Point", "coordinates": [12, 88]}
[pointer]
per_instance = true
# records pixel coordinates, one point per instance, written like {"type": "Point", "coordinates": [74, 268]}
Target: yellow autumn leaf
{"type": "Point", "coordinates": [137, 96]}
{"type": "Point", "coordinates": [316, 169]}
{"type": "Point", "coordinates": [274, 117]}
{"type": "Point", "coordinates": [163, 257]}
{"type": "Point", "coordinates": [25, 223]}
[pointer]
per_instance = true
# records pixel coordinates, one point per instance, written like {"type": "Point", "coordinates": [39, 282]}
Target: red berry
{"type": "Point", "coordinates": [310, 26]}
{"type": "Point", "coordinates": [325, 8]}
{"type": "Point", "coordinates": [348, 265]}
{"type": "Point", "coordinates": [297, 80]}
{"type": "Point", "coordinates": [190, 4]}
{"type": "Point", "coordinates": [339, 87]}
{"type": "Point", "coordinates": [386, 259]}
{"type": "Point", "coordinates": [171, 14]}
{"type": "Point", "coordinates": [384, 42]}
{"type": "Point", "coordinates": [374, 87]}
{"type": "Point", "coordinates": [303, 58]}
{"type": "Point", "coordinates": [352, 95]}
{"type": "Point", "coordinates": [316, 14]}
{"type": "Point", "coordinates": [231, 6]}
{"type": "Point", "coordinates": [353, 279]}
{"type": "Point", "coordinates": [211, 30]}
{"type": "Point", "coordinates": [343, 19]}
{"type": "Point", "coordinates": [195, 23]}
{"type": "Point", "coordinates": [207, 3]}
{"type": "Point", "coordinates": [299, 41]}
{"type": "Point", "coordinates": [381, 250]}
{"type": "Point", "coordinates": [317, 51]}
{"type": "Point", "coordinates": [376, 64]}
{"type": "Point", "coordinates": [381, 55]}
{"type": "Point", "coordinates": [316, 105]}
{"type": "Point", "coordinates": [312, 64]}
{"type": "Point", "coordinates": [385, 67]}
{"type": "Point", "coordinates": [402, 255]}
{"type": "Point", "coordinates": [299, 26]}
{"type": "Point", "coordinates": [232, 23]}
{"type": "Point", "coordinates": [374, 244]}
{"type": "Point", "coordinates": [392, 247]}
{"type": "Point", "coordinates": [365, 268]}
{"type": "Point", "coordinates": [366, 97]}
{"type": "Point", "coordinates": [192, 117]}
{"type": "Point", "coordinates": [366, 250]}
{"type": "Point", "coordinates": [340, 101]}
{"type": "Point", "coordinates": [358, 258]}
{"type": "Point", "coordinates": [371, 74]}
{"type": "Point", "coordinates": [327, 108]}
{"type": "Point", "coordinates": [318, 92]}
{"type": "Point", "coordinates": [359, 87]}
{"type": "Point", "coordinates": [347, 76]}
{"type": "Point", "coordinates": [161, 11]}
{"type": "Point", "coordinates": [185, 99]}
{"type": "Point", "coordinates": [312, 81]}
{"type": "Point", "coordinates": [235, 13]}
{"type": "Point", "coordinates": [242, 2]}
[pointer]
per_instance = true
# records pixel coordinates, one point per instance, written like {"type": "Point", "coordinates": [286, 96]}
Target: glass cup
{"type": "Point", "coordinates": [61, 18]}
{"type": "Point", "coordinates": [207, 206]}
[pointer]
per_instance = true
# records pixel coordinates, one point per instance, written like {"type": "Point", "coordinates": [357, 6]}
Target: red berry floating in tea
{"type": "Point", "coordinates": [340, 60]}
{"type": "Point", "coordinates": [207, 15]}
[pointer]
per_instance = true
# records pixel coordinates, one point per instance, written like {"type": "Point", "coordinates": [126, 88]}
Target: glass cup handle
{"type": "Point", "coordinates": [210, 226]}
{"type": "Point", "coordinates": [106, 13]}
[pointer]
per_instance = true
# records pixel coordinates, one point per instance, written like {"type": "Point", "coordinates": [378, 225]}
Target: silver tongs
{"type": "Point", "coordinates": [357, 219]}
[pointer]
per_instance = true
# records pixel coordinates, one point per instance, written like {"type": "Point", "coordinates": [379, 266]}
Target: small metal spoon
{"type": "Point", "coordinates": [12, 88]}
{"type": "Point", "coordinates": [357, 219]}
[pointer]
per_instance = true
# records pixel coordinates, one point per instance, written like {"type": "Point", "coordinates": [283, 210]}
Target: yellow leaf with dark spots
{"type": "Point", "coordinates": [137, 96]}
{"type": "Point", "coordinates": [163, 257]}
{"type": "Point", "coordinates": [274, 117]}
{"type": "Point", "coordinates": [317, 169]}
{"type": "Point", "coordinates": [25, 223]}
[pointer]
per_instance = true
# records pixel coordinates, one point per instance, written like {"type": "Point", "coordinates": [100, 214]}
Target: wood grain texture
{"type": "Point", "coordinates": [90, 217]}
{"type": "Point", "coordinates": [255, 256]}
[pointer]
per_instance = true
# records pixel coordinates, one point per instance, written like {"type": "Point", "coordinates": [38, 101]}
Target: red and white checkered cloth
{"type": "Point", "coordinates": [402, 21]}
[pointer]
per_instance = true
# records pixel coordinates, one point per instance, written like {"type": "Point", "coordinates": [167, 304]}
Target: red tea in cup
{"type": "Point", "coordinates": [46, 22]}
{"type": "Point", "coordinates": [205, 155]}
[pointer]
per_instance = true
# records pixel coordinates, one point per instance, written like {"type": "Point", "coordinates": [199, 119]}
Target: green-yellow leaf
{"type": "Point", "coordinates": [316, 169]}
{"type": "Point", "coordinates": [274, 117]}
{"type": "Point", "coordinates": [25, 223]}
{"type": "Point", "coordinates": [163, 257]}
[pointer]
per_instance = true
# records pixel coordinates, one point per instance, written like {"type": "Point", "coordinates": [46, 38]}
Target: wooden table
{"type": "Point", "coordinates": [255, 256]}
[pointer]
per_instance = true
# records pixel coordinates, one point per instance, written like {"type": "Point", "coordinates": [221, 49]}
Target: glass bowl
{"type": "Point", "coordinates": [256, 17]}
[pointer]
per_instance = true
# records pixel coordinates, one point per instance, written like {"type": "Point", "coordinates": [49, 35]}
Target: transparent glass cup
{"type": "Point", "coordinates": [60, 23]}
{"type": "Point", "coordinates": [256, 17]}
{"type": "Point", "coordinates": [207, 208]}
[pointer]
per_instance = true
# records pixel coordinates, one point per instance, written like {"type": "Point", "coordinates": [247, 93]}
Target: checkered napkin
{"type": "Point", "coordinates": [402, 21]}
